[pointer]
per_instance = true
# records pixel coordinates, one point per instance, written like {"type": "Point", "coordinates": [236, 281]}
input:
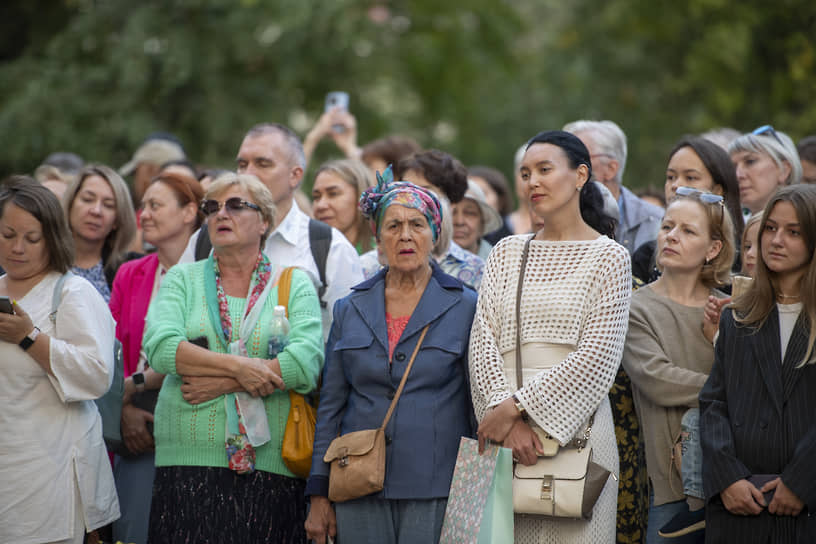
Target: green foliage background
{"type": "Point", "coordinates": [476, 78]}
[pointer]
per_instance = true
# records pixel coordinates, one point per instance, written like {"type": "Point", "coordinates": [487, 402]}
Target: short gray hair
{"type": "Point", "coordinates": [295, 147]}
{"type": "Point", "coordinates": [779, 150]}
{"type": "Point", "coordinates": [258, 192]}
{"type": "Point", "coordinates": [608, 136]}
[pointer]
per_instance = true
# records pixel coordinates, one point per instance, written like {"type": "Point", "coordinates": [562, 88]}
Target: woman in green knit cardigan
{"type": "Point", "coordinates": [222, 409]}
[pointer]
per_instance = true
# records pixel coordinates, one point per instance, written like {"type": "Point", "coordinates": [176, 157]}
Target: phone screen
{"type": "Point", "coordinates": [337, 99]}
{"type": "Point", "coordinates": [6, 306]}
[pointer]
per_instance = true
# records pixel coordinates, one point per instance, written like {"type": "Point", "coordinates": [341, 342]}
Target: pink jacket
{"type": "Point", "coordinates": [130, 298]}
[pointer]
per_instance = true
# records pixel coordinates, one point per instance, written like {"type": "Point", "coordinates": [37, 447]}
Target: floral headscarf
{"type": "Point", "coordinates": [375, 200]}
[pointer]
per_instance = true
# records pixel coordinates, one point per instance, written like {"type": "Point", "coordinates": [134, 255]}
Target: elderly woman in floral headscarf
{"type": "Point", "coordinates": [374, 333]}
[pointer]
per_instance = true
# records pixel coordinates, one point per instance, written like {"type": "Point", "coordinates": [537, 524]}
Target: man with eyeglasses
{"type": "Point", "coordinates": [606, 142]}
{"type": "Point", "coordinates": [274, 154]}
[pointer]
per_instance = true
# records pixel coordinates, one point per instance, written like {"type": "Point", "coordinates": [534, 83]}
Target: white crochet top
{"type": "Point", "coordinates": [576, 293]}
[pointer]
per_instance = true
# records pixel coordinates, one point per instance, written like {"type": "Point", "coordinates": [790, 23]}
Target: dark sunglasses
{"type": "Point", "coordinates": [768, 129]}
{"type": "Point", "coordinates": [234, 204]}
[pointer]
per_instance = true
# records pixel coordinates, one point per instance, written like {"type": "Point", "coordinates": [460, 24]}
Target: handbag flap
{"type": "Point", "coordinates": [569, 464]}
{"type": "Point", "coordinates": [356, 443]}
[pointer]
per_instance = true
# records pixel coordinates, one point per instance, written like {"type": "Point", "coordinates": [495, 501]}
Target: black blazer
{"type": "Point", "coordinates": [758, 416]}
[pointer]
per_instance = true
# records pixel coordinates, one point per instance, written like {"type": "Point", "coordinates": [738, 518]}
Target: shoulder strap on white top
{"type": "Point", "coordinates": [56, 298]}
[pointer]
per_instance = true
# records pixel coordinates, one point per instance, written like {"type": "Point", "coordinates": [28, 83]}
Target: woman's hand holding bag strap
{"type": "Point", "coordinates": [358, 458]}
{"type": "Point", "coordinates": [566, 484]}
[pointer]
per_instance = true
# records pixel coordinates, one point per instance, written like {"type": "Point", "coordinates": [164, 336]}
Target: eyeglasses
{"type": "Point", "coordinates": [768, 129]}
{"type": "Point", "coordinates": [234, 204]}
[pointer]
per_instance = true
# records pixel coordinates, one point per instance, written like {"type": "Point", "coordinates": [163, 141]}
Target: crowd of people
{"type": "Point", "coordinates": [673, 333]}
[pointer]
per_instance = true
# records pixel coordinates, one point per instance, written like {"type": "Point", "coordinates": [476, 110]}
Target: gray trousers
{"type": "Point", "coordinates": [390, 521]}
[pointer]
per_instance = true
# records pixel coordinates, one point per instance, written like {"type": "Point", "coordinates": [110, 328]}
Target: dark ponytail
{"type": "Point", "coordinates": [592, 210]}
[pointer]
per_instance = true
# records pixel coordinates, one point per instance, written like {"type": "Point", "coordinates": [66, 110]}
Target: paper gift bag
{"type": "Point", "coordinates": [480, 504]}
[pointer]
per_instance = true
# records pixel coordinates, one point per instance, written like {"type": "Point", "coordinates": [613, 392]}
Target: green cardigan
{"type": "Point", "coordinates": [194, 435]}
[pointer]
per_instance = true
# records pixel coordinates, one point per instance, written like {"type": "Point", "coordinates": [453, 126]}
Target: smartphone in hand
{"type": "Point", "coordinates": [337, 99]}
{"type": "Point", "coordinates": [6, 306]}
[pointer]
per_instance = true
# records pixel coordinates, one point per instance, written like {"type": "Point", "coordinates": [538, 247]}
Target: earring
{"type": "Point", "coordinates": [707, 261]}
{"type": "Point", "coordinates": [578, 189]}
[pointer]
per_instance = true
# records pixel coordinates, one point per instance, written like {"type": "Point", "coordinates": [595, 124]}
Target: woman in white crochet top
{"type": "Point", "coordinates": [575, 304]}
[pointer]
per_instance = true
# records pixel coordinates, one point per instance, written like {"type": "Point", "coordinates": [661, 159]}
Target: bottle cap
{"type": "Point", "coordinates": [279, 311]}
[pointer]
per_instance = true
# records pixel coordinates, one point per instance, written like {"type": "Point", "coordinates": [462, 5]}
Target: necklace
{"type": "Point", "coordinates": [783, 296]}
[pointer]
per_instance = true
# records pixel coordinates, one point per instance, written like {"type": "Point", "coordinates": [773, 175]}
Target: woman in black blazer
{"type": "Point", "coordinates": [757, 421]}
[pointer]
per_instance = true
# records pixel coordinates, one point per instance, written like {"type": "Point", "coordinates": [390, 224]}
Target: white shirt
{"type": "Point", "coordinates": [788, 314]}
{"type": "Point", "coordinates": [288, 245]}
{"type": "Point", "coordinates": [52, 433]}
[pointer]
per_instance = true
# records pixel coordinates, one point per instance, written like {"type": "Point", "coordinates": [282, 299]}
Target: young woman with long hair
{"type": "Point", "coordinates": [757, 427]}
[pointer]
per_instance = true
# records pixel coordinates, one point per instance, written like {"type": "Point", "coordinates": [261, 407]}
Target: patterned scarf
{"type": "Point", "coordinates": [240, 453]}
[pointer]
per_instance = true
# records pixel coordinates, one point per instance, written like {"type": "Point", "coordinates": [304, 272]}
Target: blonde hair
{"type": "Point", "coordinates": [358, 175]}
{"type": "Point", "coordinates": [258, 193]}
{"type": "Point", "coordinates": [753, 307]}
{"type": "Point", "coordinates": [717, 271]}
{"type": "Point", "coordinates": [124, 226]}
{"type": "Point", "coordinates": [753, 220]}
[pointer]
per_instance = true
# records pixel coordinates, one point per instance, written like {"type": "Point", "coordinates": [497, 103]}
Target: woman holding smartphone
{"type": "Point", "coordinates": [756, 409]}
{"type": "Point", "coordinates": [56, 477]}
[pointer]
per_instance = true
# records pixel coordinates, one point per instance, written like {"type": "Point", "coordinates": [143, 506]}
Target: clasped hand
{"type": "Point", "coordinates": [503, 424]}
{"type": "Point", "coordinates": [258, 377]}
{"type": "Point", "coordinates": [742, 498]}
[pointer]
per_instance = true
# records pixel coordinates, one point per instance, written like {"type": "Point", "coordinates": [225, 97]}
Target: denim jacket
{"type": "Point", "coordinates": [434, 411]}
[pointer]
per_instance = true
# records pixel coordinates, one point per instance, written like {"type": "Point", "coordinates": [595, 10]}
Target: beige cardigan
{"type": "Point", "coordinates": [668, 360]}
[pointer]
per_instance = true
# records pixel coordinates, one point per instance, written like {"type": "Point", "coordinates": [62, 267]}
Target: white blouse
{"type": "Point", "coordinates": [52, 434]}
{"type": "Point", "coordinates": [576, 293]}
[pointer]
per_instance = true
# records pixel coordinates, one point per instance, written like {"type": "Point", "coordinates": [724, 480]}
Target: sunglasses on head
{"type": "Point", "coordinates": [708, 198]}
{"type": "Point", "coordinates": [234, 204]}
{"type": "Point", "coordinates": [765, 130]}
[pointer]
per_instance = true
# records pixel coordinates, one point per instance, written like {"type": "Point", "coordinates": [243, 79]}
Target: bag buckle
{"type": "Point", "coordinates": [343, 461]}
{"type": "Point", "coordinates": [547, 488]}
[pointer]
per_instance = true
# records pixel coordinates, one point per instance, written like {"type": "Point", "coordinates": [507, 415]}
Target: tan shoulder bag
{"type": "Point", "coordinates": [358, 458]}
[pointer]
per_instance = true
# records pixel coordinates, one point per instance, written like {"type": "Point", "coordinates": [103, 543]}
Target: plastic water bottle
{"type": "Point", "coordinates": [278, 332]}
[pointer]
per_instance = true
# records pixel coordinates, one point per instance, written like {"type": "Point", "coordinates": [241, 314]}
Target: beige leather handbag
{"type": "Point", "coordinates": [358, 458]}
{"type": "Point", "coordinates": [567, 483]}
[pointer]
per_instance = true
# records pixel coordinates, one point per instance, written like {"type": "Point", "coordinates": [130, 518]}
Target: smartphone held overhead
{"type": "Point", "coordinates": [340, 100]}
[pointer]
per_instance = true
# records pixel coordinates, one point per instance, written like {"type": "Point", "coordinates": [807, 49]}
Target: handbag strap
{"type": "Point", "coordinates": [404, 379]}
{"type": "Point", "coordinates": [577, 442]}
{"type": "Point", "coordinates": [284, 284]}
{"type": "Point", "coordinates": [524, 255]}
{"type": "Point", "coordinates": [56, 298]}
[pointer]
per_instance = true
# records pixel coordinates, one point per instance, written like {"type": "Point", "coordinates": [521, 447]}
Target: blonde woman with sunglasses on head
{"type": "Point", "coordinates": [667, 353]}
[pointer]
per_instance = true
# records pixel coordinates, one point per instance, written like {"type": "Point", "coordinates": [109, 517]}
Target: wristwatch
{"type": "Point", "coordinates": [520, 407]}
{"type": "Point", "coordinates": [139, 382]}
{"type": "Point", "coordinates": [28, 341]}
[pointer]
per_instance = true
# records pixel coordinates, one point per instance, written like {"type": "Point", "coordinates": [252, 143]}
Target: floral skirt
{"type": "Point", "coordinates": [633, 484]}
{"type": "Point", "coordinates": [208, 504]}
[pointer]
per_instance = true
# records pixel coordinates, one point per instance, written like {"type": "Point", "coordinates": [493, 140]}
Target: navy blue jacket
{"type": "Point", "coordinates": [757, 417]}
{"type": "Point", "coordinates": [434, 411]}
